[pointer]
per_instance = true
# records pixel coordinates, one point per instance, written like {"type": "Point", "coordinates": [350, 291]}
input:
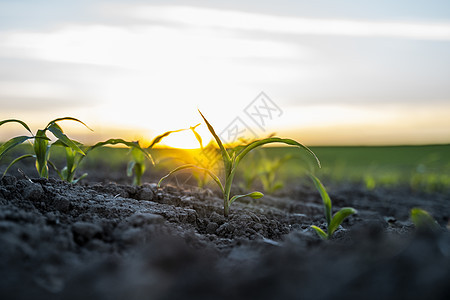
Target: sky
{"type": "Point", "coordinates": [322, 72]}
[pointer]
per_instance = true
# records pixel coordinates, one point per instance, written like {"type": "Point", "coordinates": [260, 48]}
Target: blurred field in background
{"type": "Point", "coordinates": [424, 168]}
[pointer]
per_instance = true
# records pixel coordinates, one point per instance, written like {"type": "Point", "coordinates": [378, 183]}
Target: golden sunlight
{"type": "Point", "coordinates": [181, 140]}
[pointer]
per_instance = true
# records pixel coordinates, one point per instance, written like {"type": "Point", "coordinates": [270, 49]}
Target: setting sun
{"type": "Point", "coordinates": [182, 140]}
{"type": "Point", "coordinates": [150, 71]}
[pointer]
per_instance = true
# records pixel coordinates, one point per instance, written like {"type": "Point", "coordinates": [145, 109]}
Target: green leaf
{"type": "Point", "coordinates": [66, 118]}
{"type": "Point", "coordinates": [225, 155]}
{"type": "Point", "coordinates": [158, 139]}
{"type": "Point", "coordinates": [325, 198]}
{"type": "Point", "coordinates": [57, 131]}
{"type": "Point", "coordinates": [12, 143]}
{"type": "Point", "coordinates": [126, 143]}
{"type": "Point", "coordinates": [63, 174]}
{"type": "Point", "coordinates": [60, 143]}
{"type": "Point", "coordinates": [320, 232]}
{"type": "Point", "coordinates": [130, 168]}
{"type": "Point", "coordinates": [137, 155]}
{"type": "Point", "coordinates": [79, 178]}
{"type": "Point", "coordinates": [187, 166]}
{"type": "Point", "coordinates": [16, 160]}
{"type": "Point", "coordinates": [422, 220]}
{"type": "Point", "coordinates": [197, 136]}
{"type": "Point", "coordinates": [254, 195]}
{"type": "Point", "coordinates": [17, 121]}
{"type": "Point", "coordinates": [275, 187]}
{"type": "Point", "coordinates": [70, 159]}
{"type": "Point", "coordinates": [41, 149]}
{"type": "Point", "coordinates": [262, 142]}
{"type": "Point", "coordinates": [139, 170]}
{"type": "Point", "coordinates": [339, 217]}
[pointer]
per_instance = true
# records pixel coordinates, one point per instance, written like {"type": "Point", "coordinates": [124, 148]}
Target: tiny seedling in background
{"type": "Point", "coordinates": [139, 155]}
{"type": "Point", "coordinates": [137, 165]}
{"type": "Point", "coordinates": [422, 220]}
{"type": "Point", "coordinates": [73, 159]}
{"type": "Point", "coordinates": [334, 221]}
{"type": "Point", "coordinates": [202, 176]}
{"type": "Point", "coordinates": [41, 144]}
{"type": "Point", "coordinates": [268, 173]}
{"type": "Point", "coordinates": [231, 162]}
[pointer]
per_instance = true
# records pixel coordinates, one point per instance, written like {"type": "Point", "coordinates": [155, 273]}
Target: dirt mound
{"type": "Point", "coordinates": [112, 241]}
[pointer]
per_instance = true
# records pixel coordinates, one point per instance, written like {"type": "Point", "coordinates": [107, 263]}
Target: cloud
{"type": "Point", "coordinates": [237, 20]}
{"type": "Point", "coordinates": [173, 59]}
{"type": "Point", "coordinates": [136, 47]}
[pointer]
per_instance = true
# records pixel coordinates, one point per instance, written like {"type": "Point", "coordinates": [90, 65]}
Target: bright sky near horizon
{"type": "Point", "coordinates": [332, 72]}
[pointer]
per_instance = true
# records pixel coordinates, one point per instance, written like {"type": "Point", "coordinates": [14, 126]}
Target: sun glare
{"type": "Point", "coordinates": [153, 74]}
{"type": "Point", "coordinates": [181, 140]}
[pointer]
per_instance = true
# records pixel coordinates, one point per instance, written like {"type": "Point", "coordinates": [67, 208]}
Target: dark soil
{"type": "Point", "coordinates": [116, 241]}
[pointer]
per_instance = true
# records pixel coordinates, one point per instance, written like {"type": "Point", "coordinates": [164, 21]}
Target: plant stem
{"type": "Point", "coordinates": [226, 194]}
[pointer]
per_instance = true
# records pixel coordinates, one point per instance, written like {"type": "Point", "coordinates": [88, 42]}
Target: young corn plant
{"type": "Point", "coordinates": [250, 173]}
{"type": "Point", "coordinates": [41, 144]}
{"type": "Point", "coordinates": [422, 220]}
{"type": "Point", "coordinates": [230, 163]}
{"type": "Point", "coordinates": [73, 159]}
{"type": "Point", "coordinates": [268, 173]}
{"type": "Point", "coordinates": [137, 164]}
{"type": "Point", "coordinates": [202, 176]}
{"type": "Point", "coordinates": [139, 155]}
{"type": "Point", "coordinates": [334, 221]}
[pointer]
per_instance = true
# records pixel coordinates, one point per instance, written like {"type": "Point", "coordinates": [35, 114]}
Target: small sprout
{"type": "Point", "coordinates": [334, 221]}
{"type": "Point", "coordinates": [268, 172]}
{"type": "Point", "coordinates": [73, 159]}
{"type": "Point", "coordinates": [422, 220]}
{"type": "Point", "coordinates": [231, 161]}
{"type": "Point", "coordinates": [137, 165]}
{"type": "Point", "coordinates": [138, 153]}
{"type": "Point", "coordinates": [41, 144]}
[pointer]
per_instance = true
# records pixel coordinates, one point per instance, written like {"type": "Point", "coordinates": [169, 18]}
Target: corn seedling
{"type": "Point", "coordinates": [268, 173]}
{"type": "Point", "coordinates": [200, 158]}
{"type": "Point", "coordinates": [208, 151]}
{"type": "Point", "coordinates": [202, 176]}
{"type": "Point", "coordinates": [41, 144]}
{"type": "Point", "coordinates": [332, 222]}
{"type": "Point", "coordinates": [231, 162]}
{"type": "Point", "coordinates": [73, 159]}
{"type": "Point", "coordinates": [250, 172]}
{"type": "Point", "coordinates": [139, 155]}
{"type": "Point", "coordinates": [137, 164]}
{"type": "Point", "coordinates": [422, 220]}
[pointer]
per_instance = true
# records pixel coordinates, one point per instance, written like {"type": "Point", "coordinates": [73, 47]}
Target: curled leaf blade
{"type": "Point", "coordinates": [339, 217]}
{"type": "Point", "coordinates": [158, 139]}
{"type": "Point", "coordinates": [422, 219]}
{"type": "Point", "coordinates": [17, 121]}
{"type": "Point", "coordinates": [254, 195]}
{"type": "Point", "coordinates": [116, 141]}
{"type": "Point", "coordinates": [270, 140]}
{"type": "Point", "coordinates": [197, 136]}
{"type": "Point", "coordinates": [63, 174]}
{"type": "Point", "coordinates": [12, 143]}
{"type": "Point", "coordinates": [57, 131]}
{"type": "Point", "coordinates": [325, 197]}
{"type": "Point", "coordinates": [15, 161]}
{"type": "Point", "coordinates": [225, 155]}
{"type": "Point", "coordinates": [66, 118]}
{"type": "Point", "coordinates": [79, 178]}
{"type": "Point", "coordinates": [320, 232]}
